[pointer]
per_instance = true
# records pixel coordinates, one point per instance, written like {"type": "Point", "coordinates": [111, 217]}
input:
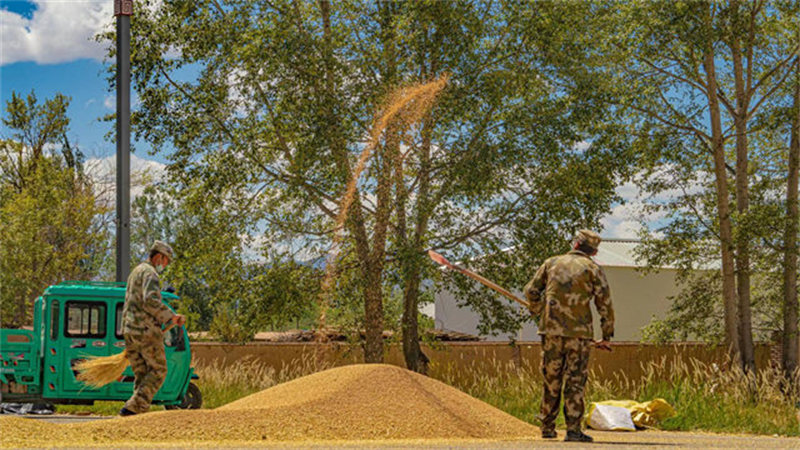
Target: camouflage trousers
{"type": "Point", "coordinates": [149, 365]}
{"type": "Point", "coordinates": [565, 362]}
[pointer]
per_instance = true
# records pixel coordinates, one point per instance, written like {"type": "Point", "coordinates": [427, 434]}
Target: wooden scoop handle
{"type": "Point", "coordinates": [169, 327]}
{"type": "Point", "coordinates": [439, 259]}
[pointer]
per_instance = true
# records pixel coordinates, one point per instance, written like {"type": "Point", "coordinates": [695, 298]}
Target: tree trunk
{"type": "Point", "coordinates": [373, 318]}
{"type": "Point", "coordinates": [411, 348]}
{"type": "Point", "coordinates": [410, 266]}
{"type": "Point", "coordinates": [742, 202]}
{"type": "Point", "coordinates": [790, 305]}
{"type": "Point", "coordinates": [373, 302]}
{"type": "Point", "coordinates": [410, 270]}
{"type": "Point", "coordinates": [414, 254]}
{"type": "Point", "coordinates": [370, 260]}
{"type": "Point", "coordinates": [413, 249]}
{"type": "Point", "coordinates": [729, 297]}
{"type": "Point", "coordinates": [412, 353]}
{"type": "Point", "coordinates": [384, 158]}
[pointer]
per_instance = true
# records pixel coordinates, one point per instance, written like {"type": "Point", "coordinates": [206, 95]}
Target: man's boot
{"type": "Point", "coordinates": [126, 412]}
{"type": "Point", "coordinates": [549, 433]}
{"type": "Point", "coordinates": [577, 436]}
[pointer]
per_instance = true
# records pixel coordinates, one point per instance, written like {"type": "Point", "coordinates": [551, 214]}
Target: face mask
{"type": "Point", "coordinates": [160, 268]}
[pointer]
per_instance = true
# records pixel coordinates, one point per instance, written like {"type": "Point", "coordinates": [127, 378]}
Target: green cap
{"type": "Point", "coordinates": [587, 237]}
{"type": "Point", "coordinates": [163, 248]}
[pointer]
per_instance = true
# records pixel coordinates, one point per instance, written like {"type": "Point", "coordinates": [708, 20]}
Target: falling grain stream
{"type": "Point", "coordinates": [403, 108]}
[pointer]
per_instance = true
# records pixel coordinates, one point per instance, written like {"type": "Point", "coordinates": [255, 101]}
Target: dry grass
{"type": "Point", "coordinates": [223, 384]}
{"type": "Point", "coordinates": [705, 396]}
{"type": "Point", "coordinates": [710, 397]}
{"type": "Point", "coordinates": [358, 402]}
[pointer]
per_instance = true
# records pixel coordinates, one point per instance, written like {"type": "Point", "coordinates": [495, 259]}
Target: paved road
{"type": "Point", "coordinates": [603, 440]}
{"type": "Point", "coordinates": [609, 440]}
{"type": "Point", "coordinates": [65, 418]}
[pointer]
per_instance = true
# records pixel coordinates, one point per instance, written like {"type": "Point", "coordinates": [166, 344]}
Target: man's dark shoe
{"type": "Point", "coordinates": [126, 412]}
{"type": "Point", "coordinates": [549, 434]}
{"type": "Point", "coordinates": [577, 436]}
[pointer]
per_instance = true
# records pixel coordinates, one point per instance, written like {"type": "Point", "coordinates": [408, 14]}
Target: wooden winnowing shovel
{"type": "Point", "coordinates": [439, 259]}
{"type": "Point", "coordinates": [488, 283]}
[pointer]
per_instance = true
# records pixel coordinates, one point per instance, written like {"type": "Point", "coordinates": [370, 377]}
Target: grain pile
{"type": "Point", "coordinates": [358, 402]}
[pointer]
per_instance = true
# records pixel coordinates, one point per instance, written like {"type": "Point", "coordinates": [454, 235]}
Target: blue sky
{"type": "Point", "coordinates": [48, 47]}
{"type": "Point", "coordinates": [23, 8]}
{"type": "Point", "coordinates": [82, 80]}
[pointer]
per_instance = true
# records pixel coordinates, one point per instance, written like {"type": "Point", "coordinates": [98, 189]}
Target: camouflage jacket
{"type": "Point", "coordinates": [560, 293]}
{"type": "Point", "coordinates": [144, 312]}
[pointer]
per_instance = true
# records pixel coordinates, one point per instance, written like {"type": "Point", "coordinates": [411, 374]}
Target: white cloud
{"type": "Point", "coordinates": [57, 32]}
{"type": "Point", "coordinates": [629, 217]}
{"type": "Point", "coordinates": [582, 146]}
{"type": "Point", "coordinates": [620, 227]}
{"type": "Point", "coordinates": [103, 172]}
{"type": "Point", "coordinates": [110, 101]}
{"type": "Point", "coordinates": [628, 191]}
{"type": "Point", "coordinates": [623, 220]}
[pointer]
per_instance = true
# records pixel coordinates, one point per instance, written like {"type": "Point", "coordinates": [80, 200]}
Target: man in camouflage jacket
{"type": "Point", "coordinates": [142, 318]}
{"type": "Point", "coordinates": [559, 296]}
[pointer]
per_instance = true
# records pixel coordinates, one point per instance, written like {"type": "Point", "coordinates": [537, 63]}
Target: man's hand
{"type": "Point", "coordinates": [179, 319]}
{"type": "Point", "coordinates": [603, 345]}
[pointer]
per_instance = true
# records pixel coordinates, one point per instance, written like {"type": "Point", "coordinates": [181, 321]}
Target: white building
{"type": "Point", "coordinates": [636, 297]}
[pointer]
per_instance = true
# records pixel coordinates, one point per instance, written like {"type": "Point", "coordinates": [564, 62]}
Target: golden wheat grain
{"type": "Point", "coordinates": [358, 402]}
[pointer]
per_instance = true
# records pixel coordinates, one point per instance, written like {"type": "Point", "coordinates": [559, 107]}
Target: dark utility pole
{"type": "Point", "coordinates": [123, 10]}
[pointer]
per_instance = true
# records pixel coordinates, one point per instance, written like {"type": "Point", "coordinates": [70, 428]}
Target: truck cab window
{"type": "Point", "coordinates": [118, 328]}
{"type": "Point", "coordinates": [85, 319]}
{"type": "Point", "coordinates": [54, 320]}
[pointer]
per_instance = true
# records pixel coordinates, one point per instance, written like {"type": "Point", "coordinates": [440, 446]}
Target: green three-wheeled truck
{"type": "Point", "coordinates": [75, 320]}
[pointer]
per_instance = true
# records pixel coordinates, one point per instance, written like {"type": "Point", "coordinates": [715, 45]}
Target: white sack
{"type": "Point", "coordinates": [610, 418]}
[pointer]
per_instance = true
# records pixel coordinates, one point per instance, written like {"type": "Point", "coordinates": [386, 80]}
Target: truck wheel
{"type": "Point", "coordinates": [192, 400]}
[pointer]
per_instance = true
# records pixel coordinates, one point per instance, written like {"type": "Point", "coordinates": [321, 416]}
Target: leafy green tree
{"type": "Point", "coordinates": [761, 60]}
{"type": "Point", "coordinates": [503, 160]}
{"type": "Point", "coordinates": [226, 286]}
{"type": "Point", "coordinates": [698, 81]}
{"type": "Point", "coordinates": [578, 153]}
{"type": "Point", "coordinates": [208, 269]}
{"type": "Point", "coordinates": [284, 289]}
{"type": "Point", "coordinates": [790, 303]}
{"type": "Point", "coordinates": [33, 127]}
{"type": "Point", "coordinates": [49, 228]}
{"type": "Point", "coordinates": [279, 103]}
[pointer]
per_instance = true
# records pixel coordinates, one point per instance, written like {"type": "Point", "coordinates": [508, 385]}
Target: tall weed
{"type": "Point", "coordinates": [221, 384]}
{"type": "Point", "coordinates": [706, 396]}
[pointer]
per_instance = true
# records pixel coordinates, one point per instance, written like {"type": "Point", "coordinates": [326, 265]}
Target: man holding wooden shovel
{"type": "Point", "coordinates": [142, 317]}
{"type": "Point", "coordinates": [559, 297]}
